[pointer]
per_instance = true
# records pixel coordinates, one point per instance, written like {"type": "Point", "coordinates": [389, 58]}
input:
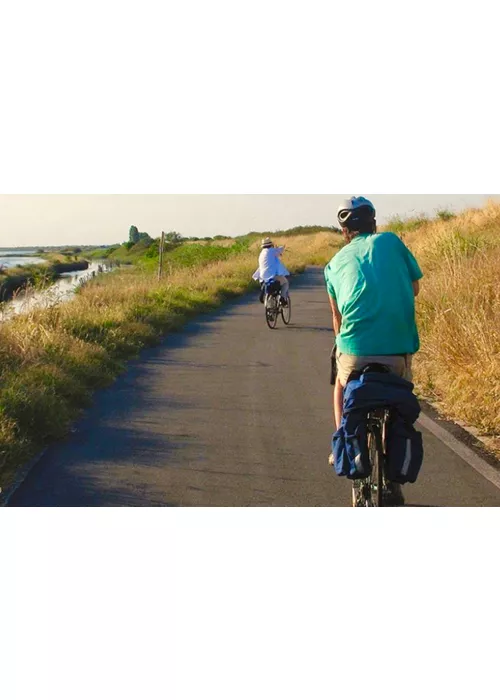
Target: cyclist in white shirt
{"type": "Point", "coordinates": [271, 267]}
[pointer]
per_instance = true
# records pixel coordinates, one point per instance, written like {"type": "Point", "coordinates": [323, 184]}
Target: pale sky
{"type": "Point", "coordinates": [87, 219]}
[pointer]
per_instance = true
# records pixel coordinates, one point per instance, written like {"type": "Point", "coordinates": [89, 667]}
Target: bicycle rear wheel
{"type": "Point", "coordinates": [286, 312]}
{"type": "Point", "coordinates": [377, 477]}
{"type": "Point", "coordinates": [357, 494]}
{"type": "Point", "coordinates": [272, 311]}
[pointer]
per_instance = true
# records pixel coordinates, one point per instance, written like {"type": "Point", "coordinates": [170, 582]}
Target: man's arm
{"type": "Point", "coordinates": [337, 316]}
{"type": "Point", "coordinates": [416, 287]}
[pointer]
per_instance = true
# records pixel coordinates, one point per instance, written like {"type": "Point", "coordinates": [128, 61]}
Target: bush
{"type": "Point", "coordinates": [105, 253]}
{"type": "Point", "coordinates": [445, 215]}
{"type": "Point", "coordinates": [153, 251]}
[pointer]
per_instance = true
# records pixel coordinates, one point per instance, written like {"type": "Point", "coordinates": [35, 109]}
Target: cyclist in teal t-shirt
{"type": "Point", "coordinates": [372, 284]}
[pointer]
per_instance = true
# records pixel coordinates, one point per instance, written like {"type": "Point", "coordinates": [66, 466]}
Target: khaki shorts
{"type": "Point", "coordinates": [399, 364]}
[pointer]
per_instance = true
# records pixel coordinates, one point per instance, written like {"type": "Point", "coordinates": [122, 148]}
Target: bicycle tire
{"type": "Point", "coordinates": [286, 312]}
{"type": "Point", "coordinates": [272, 311]}
{"type": "Point", "coordinates": [377, 461]}
{"type": "Point", "coordinates": [357, 494]}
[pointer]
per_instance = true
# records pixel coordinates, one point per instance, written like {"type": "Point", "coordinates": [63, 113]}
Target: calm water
{"type": "Point", "coordinates": [12, 258]}
{"type": "Point", "coordinates": [59, 292]}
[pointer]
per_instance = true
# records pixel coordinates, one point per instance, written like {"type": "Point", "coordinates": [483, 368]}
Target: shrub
{"type": "Point", "coordinates": [445, 215]}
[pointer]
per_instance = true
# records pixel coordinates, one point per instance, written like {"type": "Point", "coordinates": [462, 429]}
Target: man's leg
{"type": "Point", "coordinates": [285, 285]}
{"type": "Point", "coordinates": [344, 365]}
{"type": "Point", "coordinates": [408, 375]}
{"type": "Point", "coordinates": [338, 403]}
{"type": "Point", "coordinates": [338, 410]}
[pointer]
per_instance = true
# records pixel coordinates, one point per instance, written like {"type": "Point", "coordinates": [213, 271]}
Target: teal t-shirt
{"type": "Point", "coordinates": [371, 280]}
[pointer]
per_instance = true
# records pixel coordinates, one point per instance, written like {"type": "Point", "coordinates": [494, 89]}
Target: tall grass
{"type": "Point", "coordinates": [51, 360]}
{"type": "Point", "coordinates": [459, 316]}
{"type": "Point", "coordinates": [400, 225]}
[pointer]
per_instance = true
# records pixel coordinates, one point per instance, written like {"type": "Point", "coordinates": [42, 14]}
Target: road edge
{"type": "Point", "coordinates": [467, 454]}
{"type": "Point", "coordinates": [21, 475]}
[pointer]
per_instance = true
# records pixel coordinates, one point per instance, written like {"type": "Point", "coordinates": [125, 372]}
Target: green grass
{"type": "Point", "coordinates": [101, 253]}
{"type": "Point", "coordinates": [399, 225]}
{"type": "Point", "coordinates": [142, 252]}
{"type": "Point", "coordinates": [186, 254]}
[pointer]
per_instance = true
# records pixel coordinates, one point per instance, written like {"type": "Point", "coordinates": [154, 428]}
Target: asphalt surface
{"type": "Point", "coordinates": [227, 413]}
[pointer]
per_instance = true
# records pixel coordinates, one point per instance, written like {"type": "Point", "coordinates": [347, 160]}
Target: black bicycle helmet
{"type": "Point", "coordinates": [357, 214]}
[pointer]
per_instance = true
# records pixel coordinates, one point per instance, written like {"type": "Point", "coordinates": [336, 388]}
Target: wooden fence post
{"type": "Point", "coordinates": [160, 265]}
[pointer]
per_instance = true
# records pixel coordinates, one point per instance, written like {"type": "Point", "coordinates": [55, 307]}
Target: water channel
{"type": "Point", "coordinates": [62, 290]}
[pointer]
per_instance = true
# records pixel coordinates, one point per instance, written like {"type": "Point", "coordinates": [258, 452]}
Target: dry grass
{"type": "Point", "coordinates": [52, 360]}
{"type": "Point", "coordinates": [458, 367]}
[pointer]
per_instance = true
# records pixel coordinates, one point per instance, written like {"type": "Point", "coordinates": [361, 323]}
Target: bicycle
{"type": "Point", "coordinates": [377, 490]}
{"type": "Point", "coordinates": [276, 305]}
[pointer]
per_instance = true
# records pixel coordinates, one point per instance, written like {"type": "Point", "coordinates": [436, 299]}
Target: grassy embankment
{"type": "Point", "coordinates": [52, 360]}
{"type": "Point", "coordinates": [458, 368]}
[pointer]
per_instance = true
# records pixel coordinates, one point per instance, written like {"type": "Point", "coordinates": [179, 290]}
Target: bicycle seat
{"type": "Point", "coordinates": [372, 367]}
{"type": "Point", "coordinates": [375, 367]}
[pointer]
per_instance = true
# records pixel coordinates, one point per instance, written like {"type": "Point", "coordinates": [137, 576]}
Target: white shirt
{"type": "Point", "coordinates": [270, 265]}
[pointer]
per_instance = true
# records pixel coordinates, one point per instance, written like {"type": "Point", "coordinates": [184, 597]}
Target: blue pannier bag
{"type": "Point", "coordinates": [341, 461]}
{"type": "Point", "coordinates": [366, 393]}
{"type": "Point", "coordinates": [405, 451]}
{"type": "Point", "coordinates": [350, 449]}
{"type": "Point", "coordinates": [374, 390]}
{"type": "Point", "coordinates": [273, 287]}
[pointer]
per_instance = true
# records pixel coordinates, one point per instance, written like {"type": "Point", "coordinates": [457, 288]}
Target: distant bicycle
{"type": "Point", "coordinates": [276, 305]}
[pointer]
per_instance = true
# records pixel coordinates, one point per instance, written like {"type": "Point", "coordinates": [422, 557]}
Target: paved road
{"type": "Point", "coordinates": [227, 413]}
